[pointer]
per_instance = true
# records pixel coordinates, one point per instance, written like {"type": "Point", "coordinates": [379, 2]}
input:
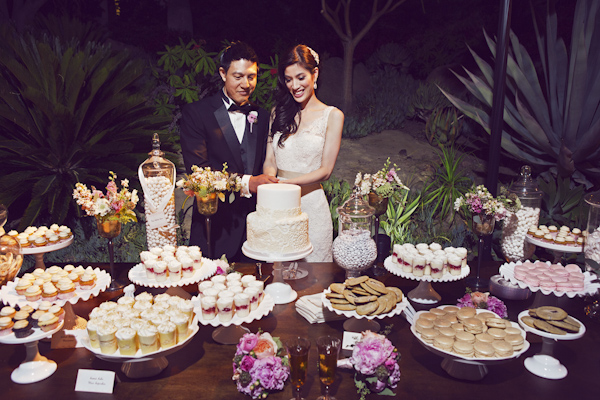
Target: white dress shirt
{"type": "Point", "coordinates": [238, 120]}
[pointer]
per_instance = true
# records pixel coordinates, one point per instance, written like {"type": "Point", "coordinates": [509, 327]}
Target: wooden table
{"type": "Point", "coordinates": [203, 369]}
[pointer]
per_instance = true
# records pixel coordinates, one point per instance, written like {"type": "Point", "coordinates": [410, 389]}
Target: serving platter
{"type": "Point", "coordinates": [264, 308]}
{"type": "Point", "coordinates": [137, 275]}
{"type": "Point", "coordinates": [353, 314]}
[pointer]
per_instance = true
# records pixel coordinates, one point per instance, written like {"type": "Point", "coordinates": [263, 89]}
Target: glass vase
{"type": "Point", "coordinates": [208, 206]}
{"type": "Point", "coordinates": [110, 229]}
{"type": "Point", "coordinates": [482, 225]}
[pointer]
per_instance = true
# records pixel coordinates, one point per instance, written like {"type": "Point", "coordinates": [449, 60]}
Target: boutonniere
{"type": "Point", "coordinates": [252, 118]}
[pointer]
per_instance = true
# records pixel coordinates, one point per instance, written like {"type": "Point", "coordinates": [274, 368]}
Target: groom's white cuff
{"type": "Point", "coordinates": [246, 186]}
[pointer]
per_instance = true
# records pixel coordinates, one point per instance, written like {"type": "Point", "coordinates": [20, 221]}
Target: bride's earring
{"type": "Point", "coordinates": [315, 85]}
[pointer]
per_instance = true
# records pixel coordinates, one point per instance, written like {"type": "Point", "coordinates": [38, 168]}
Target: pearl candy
{"type": "Point", "coordinates": [515, 230]}
{"type": "Point", "coordinates": [159, 187]}
{"type": "Point", "coordinates": [592, 246]}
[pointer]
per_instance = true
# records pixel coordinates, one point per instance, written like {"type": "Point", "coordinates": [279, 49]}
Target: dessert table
{"type": "Point", "coordinates": [204, 369]}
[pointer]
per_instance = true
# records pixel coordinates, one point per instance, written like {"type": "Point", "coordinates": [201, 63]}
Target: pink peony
{"type": "Point", "coordinates": [370, 352]}
{"type": "Point", "coordinates": [479, 298]}
{"type": "Point", "coordinates": [248, 342]}
{"type": "Point", "coordinates": [265, 347]}
{"type": "Point", "coordinates": [247, 363]}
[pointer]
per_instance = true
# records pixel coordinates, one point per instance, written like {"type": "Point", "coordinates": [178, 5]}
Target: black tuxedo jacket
{"type": "Point", "coordinates": [209, 140]}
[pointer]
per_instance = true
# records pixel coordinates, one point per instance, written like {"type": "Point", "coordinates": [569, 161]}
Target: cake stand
{"type": "Point", "coordinates": [359, 323]}
{"type": "Point", "coordinates": [549, 297]}
{"type": "Point", "coordinates": [557, 249]}
{"type": "Point", "coordinates": [35, 367]}
{"type": "Point", "coordinates": [281, 292]}
{"type": "Point", "coordinates": [137, 275]}
{"type": "Point", "coordinates": [231, 331]}
{"type": "Point", "coordinates": [468, 368]}
{"type": "Point", "coordinates": [142, 365]}
{"type": "Point", "coordinates": [424, 292]}
{"type": "Point", "coordinates": [39, 252]}
{"type": "Point", "coordinates": [544, 364]}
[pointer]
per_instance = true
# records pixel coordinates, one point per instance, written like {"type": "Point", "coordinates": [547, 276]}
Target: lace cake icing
{"type": "Point", "coordinates": [278, 226]}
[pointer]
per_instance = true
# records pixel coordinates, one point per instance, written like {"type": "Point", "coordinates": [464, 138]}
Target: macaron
{"type": "Point", "coordinates": [473, 325]}
{"type": "Point", "coordinates": [443, 342]}
{"type": "Point", "coordinates": [465, 313]}
{"type": "Point", "coordinates": [502, 348]}
{"type": "Point", "coordinates": [483, 350]}
{"type": "Point", "coordinates": [429, 334]}
{"type": "Point", "coordinates": [485, 338]}
{"type": "Point", "coordinates": [516, 340]}
{"type": "Point", "coordinates": [463, 336]}
{"type": "Point", "coordinates": [463, 349]}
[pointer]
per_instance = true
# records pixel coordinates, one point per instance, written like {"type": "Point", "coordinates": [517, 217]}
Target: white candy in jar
{"type": "Point", "coordinates": [354, 249]}
{"type": "Point", "coordinates": [592, 247]}
{"type": "Point", "coordinates": [515, 230]}
{"type": "Point", "coordinates": [157, 188]}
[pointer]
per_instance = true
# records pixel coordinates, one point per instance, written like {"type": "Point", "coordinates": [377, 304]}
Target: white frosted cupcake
{"type": "Point", "coordinates": [208, 305]}
{"type": "Point", "coordinates": [167, 332]}
{"type": "Point", "coordinates": [260, 285]}
{"type": "Point", "coordinates": [107, 339]}
{"type": "Point", "coordinates": [149, 265]}
{"type": "Point", "coordinates": [246, 279]}
{"type": "Point", "coordinates": [225, 293]}
{"type": "Point", "coordinates": [127, 301]}
{"type": "Point", "coordinates": [225, 308]}
{"type": "Point", "coordinates": [210, 292]}
{"type": "Point", "coordinates": [187, 267]}
{"type": "Point", "coordinates": [160, 271]}
{"type": "Point", "coordinates": [174, 270]}
{"type": "Point", "coordinates": [148, 338]}
{"type": "Point", "coordinates": [254, 295]}
{"type": "Point", "coordinates": [233, 277]}
{"type": "Point", "coordinates": [196, 257]}
{"type": "Point", "coordinates": [126, 341]}
{"type": "Point", "coordinates": [242, 305]}
{"type": "Point", "coordinates": [182, 322]}
{"type": "Point", "coordinates": [219, 279]}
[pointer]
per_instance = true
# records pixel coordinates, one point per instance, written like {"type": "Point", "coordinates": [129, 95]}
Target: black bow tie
{"type": "Point", "coordinates": [246, 108]}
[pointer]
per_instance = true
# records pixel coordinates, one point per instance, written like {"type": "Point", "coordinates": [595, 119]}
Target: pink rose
{"type": "Point", "coordinates": [265, 347]}
{"type": "Point", "coordinates": [248, 342]}
{"type": "Point", "coordinates": [479, 298]}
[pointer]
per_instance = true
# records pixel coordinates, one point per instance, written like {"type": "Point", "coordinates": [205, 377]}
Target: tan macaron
{"type": "Point", "coordinates": [516, 340]}
{"type": "Point", "coordinates": [473, 325]}
{"type": "Point", "coordinates": [502, 348]}
{"type": "Point", "coordinates": [423, 324]}
{"type": "Point", "coordinates": [463, 349]}
{"type": "Point", "coordinates": [485, 338]}
{"type": "Point", "coordinates": [429, 334]}
{"type": "Point", "coordinates": [497, 334]}
{"type": "Point", "coordinates": [465, 313]}
{"type": "Point", "coordinates": [465, 337]}
{"type": "Point", "coordinates": [483, 350]}
{"type": "Point", "coordinates": [443, 342]}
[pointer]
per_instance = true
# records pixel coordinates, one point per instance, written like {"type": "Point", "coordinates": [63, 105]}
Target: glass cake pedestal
{"type": "Point", "coordinates": [281, 292]}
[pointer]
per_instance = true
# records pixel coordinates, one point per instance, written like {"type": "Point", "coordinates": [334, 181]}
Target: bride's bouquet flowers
{"type": "Point", "coordinates": [114, 205]}
{"type": "Point", "coordinates": [375, 361]}
{"type": "Point", "coordinates": [204, 181]}
{"type": "Point", "coordinates": [383, 183]}
{"type": "Point", "coordinates": [483, 301]}
{"type": "Point", "coordinates": [480, 201]}
{"type": "Point", "coordinates": [260, 365]}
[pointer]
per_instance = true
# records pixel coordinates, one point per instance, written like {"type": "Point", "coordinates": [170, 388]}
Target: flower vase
{"type": "Point", "coordinates": [110, 229]}
{"type": "Point", "coordinates": [380, 205]}
{"type": "Point", "coordinates": [208, 206]}
{"type": "Point", "coordinates": [482, 225]}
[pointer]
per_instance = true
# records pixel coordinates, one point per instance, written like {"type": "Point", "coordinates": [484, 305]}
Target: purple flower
{"type": "Point", "coordinates": [247, 363]}
{"type": "Point", "coordinates": [247, 342]}
{"type": "Point", "coordinates": [370, 352]}
{"type": "Point", "coordinates": [270, 372]}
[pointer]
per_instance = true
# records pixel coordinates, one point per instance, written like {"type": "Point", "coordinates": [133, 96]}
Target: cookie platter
{"type": "Point", "coordinates": [9, 295]}
{"type": "Point", "coordinates": [264, 308]}
{"type": "Point", "coordinates": [447, 277]}
{"type": "Point", "coordinates": [507, 271]}
{"type": "Point", "coordinates": [353, 314]}
{"type": "Point", "coordinates": [137, 275]}
{"type": "Point", "coordinates": [454, 356]}
{"type": "Point", "coordinates": [549, 335]}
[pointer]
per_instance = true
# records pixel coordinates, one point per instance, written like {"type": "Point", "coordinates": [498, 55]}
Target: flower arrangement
{"type": "Point", "coordinates": [375, 361]}
{"type": "Point", "coordinates": [480, 201]}
{"type": "Point", "coordinates": [115, 205]}
{"type": "Point", "coordinates": [204, 181]}
{"type": "Point", "coordinates": [384, 182]}
{"type": "Point", "coordinates": [483, 301]}
{"type": "Point", "coordinates": [252, 118]}
{"type": "Point", "coordinates": [260, 365]}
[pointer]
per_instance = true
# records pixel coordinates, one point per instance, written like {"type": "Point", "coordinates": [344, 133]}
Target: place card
{"type": "Point", "coordinates": [350, 339]}
{"type": "Point", "coordinates": [156, 220]}
{"type": "Point", "coordinates": [90, 380]}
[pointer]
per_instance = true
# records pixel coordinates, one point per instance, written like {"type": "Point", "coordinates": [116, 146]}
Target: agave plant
{"type": "Point", "coordinates": [443, 127]}
{"type": "Point", "coordinates": [551, 114]}
{"type": "Point", "coordinates": [68, 113]}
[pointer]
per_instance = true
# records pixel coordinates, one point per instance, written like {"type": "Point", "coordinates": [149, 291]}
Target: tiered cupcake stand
{"type": "Point", "coordinates": [36, 367]}
{"type": "Point", "coordinates": [424, 292]}
{"type": "Point", "coordinates": [137, 275]}
{"type": "Point", "coordinates": [557, 249]}
{"type": "Point", "coordinates": [39, 252]}
{"type": "Point", "coordinates": [467, 368]}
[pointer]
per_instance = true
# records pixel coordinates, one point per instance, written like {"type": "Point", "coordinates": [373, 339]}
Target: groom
{"type": "Point", "coordinates": [217, 130]}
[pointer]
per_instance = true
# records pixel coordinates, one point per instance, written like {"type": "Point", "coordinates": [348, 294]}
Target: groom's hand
{"type": "Point", "coordinates": [256, 181]}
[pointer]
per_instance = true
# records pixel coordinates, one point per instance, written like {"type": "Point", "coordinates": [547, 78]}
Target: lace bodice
{"type": "Point", "coordinates": [303, 151]}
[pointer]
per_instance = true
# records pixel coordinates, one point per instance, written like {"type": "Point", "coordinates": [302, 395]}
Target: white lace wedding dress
{"type": "Point", "coordinates": [301, 154]}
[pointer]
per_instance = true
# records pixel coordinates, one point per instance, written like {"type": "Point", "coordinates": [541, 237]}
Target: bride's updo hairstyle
{"type": "Point", "coordinates": [286, 107]}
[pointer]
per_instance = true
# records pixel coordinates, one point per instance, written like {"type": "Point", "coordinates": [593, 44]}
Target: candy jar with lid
{"type": "Point", "coordinates": [157, 177]}
{"type": "Point", "coordinates": [516, 224]}
{"type": "Point", "coordinates": [10, 252]}
{"type": "Point", "coordinates": [354, 249]}
{"type": "Point", "coordinates": [591, 246]}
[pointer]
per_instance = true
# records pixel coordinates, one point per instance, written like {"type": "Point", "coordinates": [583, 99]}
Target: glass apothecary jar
{"type": "Point", "coordinates": [157, 177]}
{"type": "Point", "coordinates": [11, 259]}
{"type": "Point", "coordinates": [354, 249]}
{"type": "Point", "coordinates": [516, 224]}
{"type": "Point", "coordinates": [591, 246]}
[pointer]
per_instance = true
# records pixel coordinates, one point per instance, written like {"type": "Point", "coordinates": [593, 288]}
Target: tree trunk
{"type": "Point", "coordinates": [179, 16]}
{"type": "Point", "coordinates": [349, 47]}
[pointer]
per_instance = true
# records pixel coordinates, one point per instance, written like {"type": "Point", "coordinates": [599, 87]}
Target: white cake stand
{"type": "Point", "coordinates": [137, 275]}
{"type": "Point", "coordinates": [39, 252]}
{"type": "Point", "coordinates": [557, 249]}
{"type": "Point", "coordinates": [281, 292]}
{"type": "Point", "coordinates": [424, 292]}
{"type": "Point", "coordinates": [544, 364]}
{"type": "Point", "coordinates": [35, 367]}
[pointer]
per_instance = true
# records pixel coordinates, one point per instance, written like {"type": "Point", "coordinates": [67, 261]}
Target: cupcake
{"type": "Point", "coordinates": [22, 329]}
{"type": "Point", "coordinates": [24, 242]}
{"type": "Point", "coordinates": [92, 330]}
{"type": "Point", "coordinates": [87, 281]}
{"type": "Point", "coordinates": [33, 293]}
{"type": "Point", "coordinates": [49, 292]}
{"type": "Point", "coordinates": [182, 322]}
{"type": "Point", "coordinates": [208, 304]}
{"type": "Point", "coordinates": [107, 338]}
{"type": "Point", "coordinates": [242, 305]}
{"type": "Point", "coordinates": [13, 234]}
{"type": "Point", "coordinates": [126, 341]}
{"type": "Point", "coordinates": [66, 289]}
{"type": "Point", "coordinates": [148, 339]}
{"type": "Point", "coordinates": [48, 321]}
{"type": "Point", "coordinates": [186, 307]}
{"type": "Point", "coordinates": [6, 325]}
{"type": "Point", "coordinates": [40, 241]}
{"type": "Point", "coordinates": [167, 333]}
{"type": "Point", "coordinates": [7, 312]}
{"type": "Point", "coordinates": [21, 315]}
{"type": "Point", "coordinates": [58, 311]}
{"type": "Point", "coordinates": [35, 318]}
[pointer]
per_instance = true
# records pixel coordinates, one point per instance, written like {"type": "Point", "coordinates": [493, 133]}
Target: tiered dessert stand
{"type": "Point", "coordinates": [231, 331]}
{"type": "Point", "coordinates": [281, 292]}
{"type": "Point", "coordinates": [424, 292]}
{"type": "Point", "coordinates": [35, 367]}
{"type": "Point", "coordinates": [39, 252]}
{"type": "Point", "coordinates": [544, 364]}
{"type": "Point", "coordinates": [467, 368]}
{"type": "Point", "coordinates": [557, 249]}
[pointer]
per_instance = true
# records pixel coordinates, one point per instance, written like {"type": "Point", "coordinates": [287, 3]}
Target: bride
{"type": "Point", "coordinates": [304, 142]}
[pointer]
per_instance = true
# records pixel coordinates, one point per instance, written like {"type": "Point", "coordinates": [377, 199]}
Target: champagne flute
{"type": "Point", "coordinates": [297, 349]}
{"type": "Point", "coordinates": [329, 348]}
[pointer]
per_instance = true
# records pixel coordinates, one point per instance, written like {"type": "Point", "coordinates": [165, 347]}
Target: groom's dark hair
{"type": "Point", "coordinates": [237, 51]}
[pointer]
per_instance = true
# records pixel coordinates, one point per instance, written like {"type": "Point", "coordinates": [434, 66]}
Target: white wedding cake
{"type": "Point", "coordinates": [278, 226]}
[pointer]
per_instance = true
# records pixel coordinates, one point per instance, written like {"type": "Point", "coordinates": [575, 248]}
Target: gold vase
{"type": "Point", "coordinates": [108, 229]}
{"type": "Point", "coordinates": [379, 203]}
{"type": "Point", "coordinates": [483, 224]}
{"type": "Point", "coordinates": [207, 205]}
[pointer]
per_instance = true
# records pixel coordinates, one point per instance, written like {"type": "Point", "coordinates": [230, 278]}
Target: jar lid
{"type": "Point", "coordinates": [356, 206]}
{"type": "Point", "coordinates": [157, 165]}
{"type": "Point", "coordinates": [593, 199]}
{"type": "Point", "coordinates": [525, 186]}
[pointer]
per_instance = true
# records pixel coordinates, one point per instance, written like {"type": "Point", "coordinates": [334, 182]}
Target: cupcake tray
{"type": "Point", "coordinates": [137, 275]}
{"type": "Point", "coordinates": [353, 314]}
{"type": "Point", "coordinates": [35, 367]}
{"type": "Point", "coordinates": [264, 308]}
{"type": "Point", "coordinates": [9, 295]}
{"type": "Point", "coordinates": [39, 252]}
{"type": "Point", "coordinates": [468, 368]}
{"type": "Point", "coordinates": [565, 248]}
{"type": "Point", "coordinates": [590, 287]}
{"type": "Point", "coordinates": [424, 292]}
